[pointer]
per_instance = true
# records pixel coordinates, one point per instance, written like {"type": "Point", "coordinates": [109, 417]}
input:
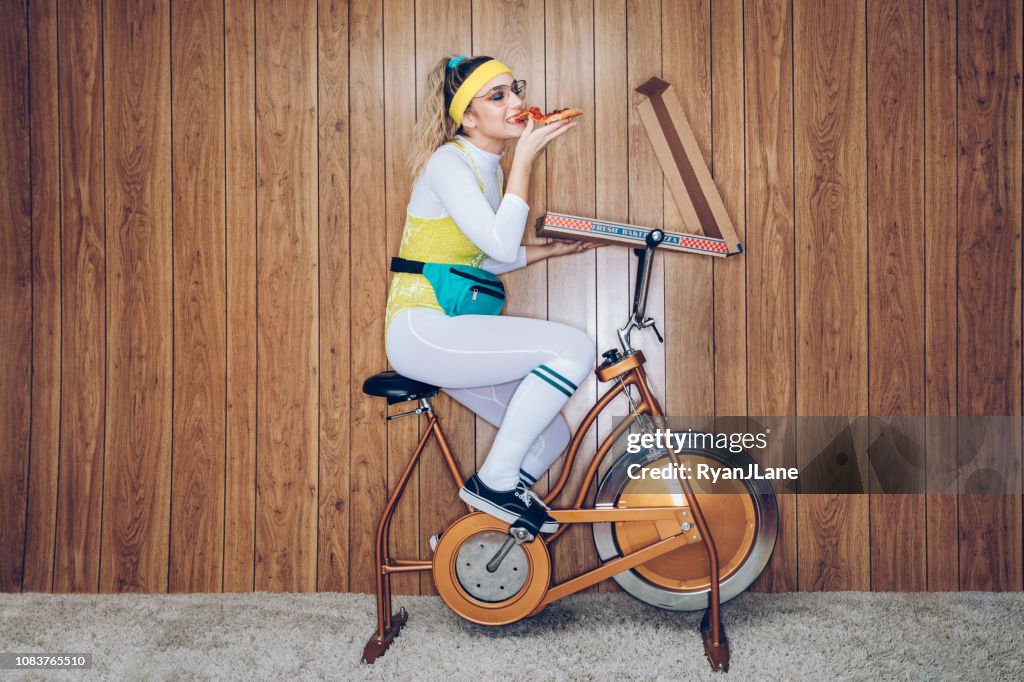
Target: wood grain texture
{"type": "Point", "coordinates": [83, 384]}
{"type": "Point", "coordinates": [689, 297]}
{"type": "Point", "coordinates": [840, 142]}
{"type": "Point", "coordinates": [940, 306]}
{"type": "Point", "coordinates": [769, 252]}
{"type": "Point", "coordinates": [16, 303]}
{"type": "Point", "coordinates": [573, 279]}
{"type": "Point", "coordinates": [137, 470]}
{"type": "Point", "coordinates": [831, 271]}
{"type": "Point", "coordinates": [240, 216]}
{"type": "Point", "coordinates": [988, 277]}
{"type": "Point", "coordinates": [200, 346]}
{"type": "Point", "coordinates": [728, 168]}
{"type": "Point", "coordinates": [896, 350]}
{"type": "Point", "coordinates": [336, 380]}
{"type": "Point", "coordinates": [46, 299]}
{"type": "Point", "coordinates": [399, 121]}
{"type": "Point", "coordinates": [368, 287]}
{"type": "Point", "coordinates": [287, 276]}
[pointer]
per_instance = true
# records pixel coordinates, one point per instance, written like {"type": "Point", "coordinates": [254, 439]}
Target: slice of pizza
{"type": "Point", "coordinates": [559, 115]}
{"type": "Point", "coordinates": [550, 117]}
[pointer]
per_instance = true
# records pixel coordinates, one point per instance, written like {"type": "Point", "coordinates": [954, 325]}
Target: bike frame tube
{"type": "Point", "coordinates": [385, 564]}
{"type": "Point", "coordinates": [698, 517]}
{"type": "Point", "coordinates": [577, 440]}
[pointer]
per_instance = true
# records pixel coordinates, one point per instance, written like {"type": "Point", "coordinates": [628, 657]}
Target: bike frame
{"type": "Point", "coordinates": [625, 372]}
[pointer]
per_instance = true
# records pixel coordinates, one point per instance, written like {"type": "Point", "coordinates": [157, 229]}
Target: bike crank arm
{"type": "Point", "coordinates": [516, 536]}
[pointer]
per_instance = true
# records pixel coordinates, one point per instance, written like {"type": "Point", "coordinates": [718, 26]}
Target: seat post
{"type": "Point", "coordinates": [425, 406]}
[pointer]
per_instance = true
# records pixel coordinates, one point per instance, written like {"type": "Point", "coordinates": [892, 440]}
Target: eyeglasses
{"type": "Point", "coordinates": [499, 93]}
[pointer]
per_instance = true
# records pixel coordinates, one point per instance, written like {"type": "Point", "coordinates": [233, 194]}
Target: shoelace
{"type": "Point", "coordinates": [528, 496]}
{"type": "Point", "coordinates": [524, 494]}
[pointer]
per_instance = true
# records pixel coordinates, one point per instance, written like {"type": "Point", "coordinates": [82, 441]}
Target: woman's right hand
{"type": "Point", "coordinates": [535, 138]}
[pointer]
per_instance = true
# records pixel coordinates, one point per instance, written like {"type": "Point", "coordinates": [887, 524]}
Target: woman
{"type": "Point", "coordinates": [516, 373]}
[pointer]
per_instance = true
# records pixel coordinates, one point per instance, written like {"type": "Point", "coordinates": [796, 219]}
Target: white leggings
{"type": "Point", "coordinates": [514, 372]}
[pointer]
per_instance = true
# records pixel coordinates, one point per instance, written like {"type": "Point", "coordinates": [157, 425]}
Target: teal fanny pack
{"type": "Point", "coordinates": [460, 289]}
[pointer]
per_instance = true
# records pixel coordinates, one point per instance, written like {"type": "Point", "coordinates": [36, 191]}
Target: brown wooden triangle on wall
{"type": "Point", "coordinates": [687, 174]}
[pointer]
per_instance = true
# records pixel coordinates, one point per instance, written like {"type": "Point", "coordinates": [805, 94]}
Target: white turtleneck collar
{"type": "Point", "coordinates": [487, 161]}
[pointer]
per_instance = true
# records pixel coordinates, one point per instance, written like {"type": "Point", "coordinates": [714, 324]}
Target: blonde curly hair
{"type": "Point", "coordinates": [434, 126]}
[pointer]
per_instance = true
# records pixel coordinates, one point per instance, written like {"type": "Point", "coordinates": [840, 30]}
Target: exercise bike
{"type": "Point", "coordinates": [659, 540]}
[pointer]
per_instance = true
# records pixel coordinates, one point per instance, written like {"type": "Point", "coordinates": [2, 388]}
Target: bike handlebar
{"type": "Point", "coordinates": [643, 285]}
{"type": "Point", "coordinates": [643, 273]}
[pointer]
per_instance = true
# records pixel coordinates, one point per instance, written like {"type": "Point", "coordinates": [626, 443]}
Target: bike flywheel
{"type": "Point", "coordinates": [742, 516]}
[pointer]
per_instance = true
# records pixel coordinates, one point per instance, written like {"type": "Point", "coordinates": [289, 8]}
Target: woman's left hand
{"type": "Point", "coordinates": [556, 247]}
{"type": "Point", "coordinates": [564, 247]}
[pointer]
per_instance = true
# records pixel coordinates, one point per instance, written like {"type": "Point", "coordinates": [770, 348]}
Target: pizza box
{"type": "Point", "coordinates": [562, 226]}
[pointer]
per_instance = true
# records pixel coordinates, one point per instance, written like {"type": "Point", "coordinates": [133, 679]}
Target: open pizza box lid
{"type": "Point", "coordinates": [706, 229]}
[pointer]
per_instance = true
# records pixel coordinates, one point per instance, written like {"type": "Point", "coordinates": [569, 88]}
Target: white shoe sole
{"type": "Point", "coordinates": [500, 513]}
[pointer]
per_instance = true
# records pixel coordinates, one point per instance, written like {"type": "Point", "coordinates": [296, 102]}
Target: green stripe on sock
{"type": "Point", "coordinates": [558, 386]}
{"type": "Point", "coordinates": [568, 383]}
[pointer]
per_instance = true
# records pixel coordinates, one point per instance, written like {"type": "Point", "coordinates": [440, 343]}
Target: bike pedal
{"type": "Point", "coordinates": [433, 541]}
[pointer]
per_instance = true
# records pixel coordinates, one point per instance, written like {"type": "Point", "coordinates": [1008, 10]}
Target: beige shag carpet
{"type": "Point", "coordinates": [850, 636]}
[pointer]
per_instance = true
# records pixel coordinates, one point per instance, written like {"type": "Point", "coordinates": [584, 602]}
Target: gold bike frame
{"type": "Point", "coordinates": [388, 624]}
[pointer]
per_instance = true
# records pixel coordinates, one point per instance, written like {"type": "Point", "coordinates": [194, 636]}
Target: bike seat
{"type": "Point", "coordinates": [396, 388]}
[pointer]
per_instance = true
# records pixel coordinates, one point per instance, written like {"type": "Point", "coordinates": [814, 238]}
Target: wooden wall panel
{"type": "Point", "coordinates": [769, 251]}
{"type": "Point", "coordinates": [137, 468]}
{"type": "Point", "coordinates": [988, 278]}
{"type": "Point", "coordinates": [16, 303]}
{"type": "Point", "coordinates": [572, 279]}
{"type": "Point", "coordinates": [197, 146]}
{"type": "Point", "coordinates": [46, 303]}
{"type": "Point", "coordinates": [689, 364]}
{"type": "Point", "coordinates": [287, 296]}
{"type": "Point", "coordinates": [896, 278]}
{"type": "Point", "coordinates": [831, 271]}
{"type": "Point", "coordinates": [940, 306]}
{"type": "Point", "coordinates": [336, 379]}
{"type": "Point", "coordinates": [240, 217]}
{"type": "Point", "coordinates": [368, 286]}
{"type": "Point", "coordinates": [135, 347]}
{"type": "Point", "coordinates": [728, 167]}
{"type": "Point", "coordinates": [399, 120]}
{"type": "Point", "coordinates": [83, 384]}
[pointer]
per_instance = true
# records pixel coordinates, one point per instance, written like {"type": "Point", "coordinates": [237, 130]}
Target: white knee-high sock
{"type": "Point", "coordinates": [544, 451]}
{"type": "Point", "coordinates": [540, 397]}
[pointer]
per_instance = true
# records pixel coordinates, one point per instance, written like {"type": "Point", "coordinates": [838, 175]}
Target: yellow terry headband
{"type": "Point", "coordinates": [478, 79]}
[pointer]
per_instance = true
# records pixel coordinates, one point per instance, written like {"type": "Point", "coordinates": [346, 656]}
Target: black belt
{"type": "Point", "coordinates": [412, 267]}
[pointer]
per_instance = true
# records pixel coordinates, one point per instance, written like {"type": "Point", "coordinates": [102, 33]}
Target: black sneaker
{"type": "Point", "coordinates": [508, 505]}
